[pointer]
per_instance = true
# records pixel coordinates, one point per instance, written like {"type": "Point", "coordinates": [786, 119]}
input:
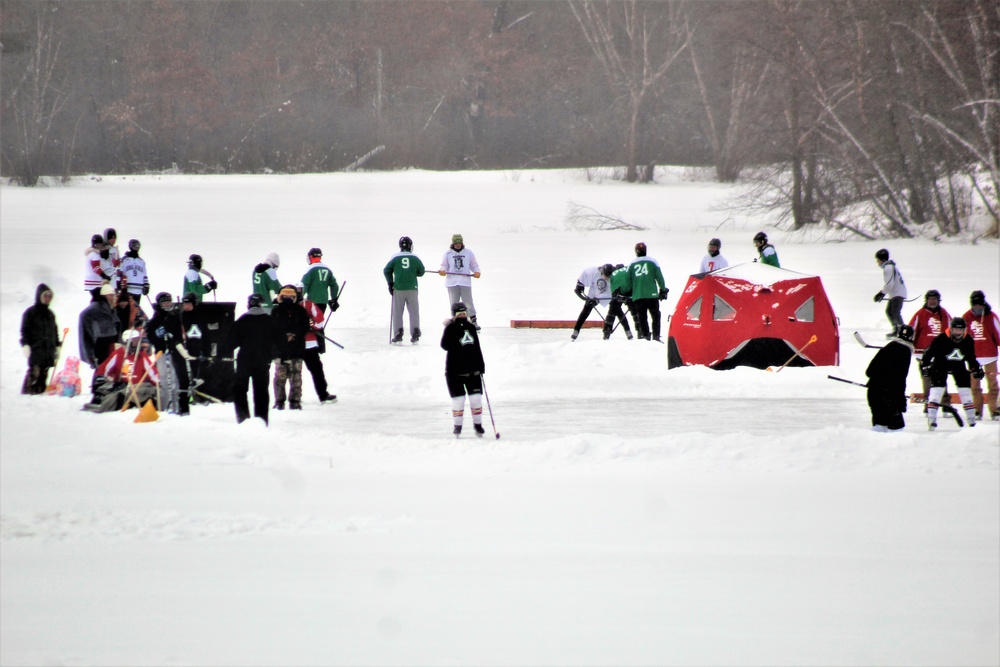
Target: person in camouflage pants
{"type": "Point", "coordinates": [292, 325]}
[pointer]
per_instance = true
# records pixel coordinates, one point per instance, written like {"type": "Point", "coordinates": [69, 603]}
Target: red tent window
{"type": "Point", "coordinates": [694, 312]}
{"type": "Point", "coordinates": [806, 312]}
{"type": "Point", "coordinates": [723, 311]}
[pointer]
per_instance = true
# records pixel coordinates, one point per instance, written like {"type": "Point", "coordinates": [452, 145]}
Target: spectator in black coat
{"type": "Point", "coordinates": [255, 336]}
{"type": "Point", "coordinates": [99, 328]}
{"type": "Point", "coordinates": [887, 381]}
{"type": "Point", "coordinates": [166, 332]}
{"type": "Point", "coordinates": [292, 324]}
{"type": "Point", "coordinates": [39, 341]}
{"type": "Point", "coordinates": [464, 368]}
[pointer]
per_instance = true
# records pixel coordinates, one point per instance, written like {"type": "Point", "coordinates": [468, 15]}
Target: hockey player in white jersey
{"type": "Point", "coordinates": [133, 269]}
{"type": "Point", "coordinates": [596, 280]}
{"type": "Point", "coordinates": [714, 260]}
{"type": "Point", "coordinates": [459, 266]}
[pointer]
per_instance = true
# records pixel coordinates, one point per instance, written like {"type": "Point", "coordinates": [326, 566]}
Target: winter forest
{"type": "Point", "coordinates": [876, 118]}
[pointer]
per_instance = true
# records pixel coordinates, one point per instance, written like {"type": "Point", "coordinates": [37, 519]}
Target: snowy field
{"type": "Point", "coordinates": [628, 515]}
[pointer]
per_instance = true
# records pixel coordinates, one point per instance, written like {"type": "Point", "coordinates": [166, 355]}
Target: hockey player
{"type": "Point", "coordinates": [166, 332]}
{"type": "Point", "coordinates": [713, 261]}
{"type": "Point", "coordinates": [192, 279]}
{"type": "Point", "coordinates": [401, 273]}
{"type": "Point", "coordinates": [318, 284]}
{"type": "Point", "coordinates": [39, 341]}
{"type": "Point", "coordinates": [887, 381]}
{"type": "Point", "coordinates": [984, 329]}
{"type": "Point", "coordinates": [894, 288]}
{"type": "Point", "coordinates": [254, 335]}
{"type": "Point", "coordinates": [646, 284]}
{"type": "Point", "coordinates": [459, 266]}
{"type": "Point", "coordinates": [928, 323]}
{"type": "Point", "coordinates": [265, 280]}
{"type": "Point", "coordinates": [292, 325]}
{"type": "Point", "coordinates": [597, 281]}
{"type": "Point", "coordinates": [765, 251]}
{"type": "Point", "coordinates": [620, 294]}
{"type": "Point", "coordinates": [98, 327]}
{"type": "Point", "coordinates": [112, 263]}
{"type": "Point", "coordinates": [463, 368]}
{"type": "Point", "coordinates": [94, 273]}
{"type": "Point", "coordinates": [951, 353]}
{"type": "Point", "coordinates": [315, 345]}
{"type": "Point", "coordinates": [133, 269]}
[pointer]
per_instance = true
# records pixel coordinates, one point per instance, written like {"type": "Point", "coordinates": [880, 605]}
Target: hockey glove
{"type": "Point", "coordinates": [979, 373]}
{"type": "Point", "coordinates": [578, 290]}
{"type": "Point", "coordinates": [334, 305]}
{"type": "Point", "coordinates": [262, 267]}
{"type": "Point", "coordinates": [211, 286]}
{"type": "Point", "coordinates": [145, 288]}
{"type": "Point", "coordinates": [591, 302]}
{"type": "Point", "coordinates": [391, 287]}
{"type": "Point", "coordinates": [878, 297]}
{"type": "Point", "coordinates": [663, 293]}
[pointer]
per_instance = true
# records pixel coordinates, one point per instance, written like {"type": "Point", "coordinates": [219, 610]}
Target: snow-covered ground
{"type": "Point", "coordinates": [627, 515]}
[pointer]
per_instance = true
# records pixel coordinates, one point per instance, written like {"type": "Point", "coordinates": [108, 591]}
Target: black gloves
{"type": "Point", "coordinates": [663, 293]}
{"type": "Point", "coordinates": [334, 305]}
{"type": "Point", "coordinates": [878, 297]}
{"type": "Point", "coordinates": [591, 302]}
{"type": "Point", "coordinates": [211, 285]}
{"type": "Point", "coordinates": [262, 267]}
{"type": "Point", "coordinates": [578, 290]}
{"type": "Point", "coordinates": [145, 288]}
{"type": "Point", "coordinates": [391, 287]}
{"type": "Point", "coordinates": [979, 373]}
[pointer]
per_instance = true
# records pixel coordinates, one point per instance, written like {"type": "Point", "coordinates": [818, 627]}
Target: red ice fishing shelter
{"type": "Point", "coordinates": [753, 315]}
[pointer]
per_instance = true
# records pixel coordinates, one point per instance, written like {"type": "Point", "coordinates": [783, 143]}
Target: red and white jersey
{"type": "Point", "coordinates": [315, 319]}
{"type": "Point", "coordinates": [985, 332]}
{"type": "Point", "coordinates": [92, 272]}
{"type": "Point", "coordinates": [927, 325]}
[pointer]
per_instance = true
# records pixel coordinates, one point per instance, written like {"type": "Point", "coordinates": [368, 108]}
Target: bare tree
{"type": "Point", "coordinates": [636, 43]}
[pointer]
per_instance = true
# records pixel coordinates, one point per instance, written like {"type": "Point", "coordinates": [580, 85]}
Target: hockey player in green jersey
{"type": "Point", "coordinates": [192, 279]}
{"type": "Point", "coordinates": [767, 253]}
{"type": "Point", "coordinates": [619, 295]}
{"type": "Point", "coordinates": [401, 274]}
{"type": "Point", "coordinates": [265, 281]}
{"type": "Point", "coordinates": [645, 281]}
{"type": "Point", "coordinates": [318, 284]}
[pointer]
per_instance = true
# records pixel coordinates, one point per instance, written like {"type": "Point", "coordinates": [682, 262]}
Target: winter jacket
{"type": "Point", "coordinates": [255, 336]}
{"type": "Point", "coordinates": [165, 331]}
{"type": "Point", "coordinates": [98, 322]}
{"type": "Point", "coordinates": [927, 325]}
{"type": "Point", "coordinates": [292, 324]}
{"type": "Point", "coordinates": [985, 333]}
{"type": "Point", "coordinates": [888, 369]}
{"type": "Point", "coordinates": [461, 341]}
{"type": "Point", "coordinates": [39, 331]}
{"type": "Point", "coordinates": [893, 285]}
{"type": "Point", "coordinates": [946, 357]}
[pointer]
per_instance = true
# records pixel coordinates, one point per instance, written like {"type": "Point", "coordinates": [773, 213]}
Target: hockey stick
{"type": "Point", "coordinates": [857, 337]}
{"type": "Point", "coordinates": [135, 387]}
{"type": "Point", "coordinates": [332, 341]}
{"type": "Point", "coordinates": [337, 299]}
{"type": "Point", "coordinates": [778, 370]}
{"type": "Point", "coordinates": [858, 384]}
{"type": "Point", "coordinates": [49, 386]}
{"type": "Point", "coordinates": [489, 407]}
{"type": "Point", "coordinates": [449, 273]}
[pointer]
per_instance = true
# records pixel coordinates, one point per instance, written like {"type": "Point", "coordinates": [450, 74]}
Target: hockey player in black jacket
{"type": "Point", "coordinates": [887, 381]}
{"type": "Point", "coordinates": [254, 335]}
{"type": "Point", "coordinates": [464, 368]}
{"type": "Point", "coordinates": [166, 332]}
{"type": "Point", "coordinates": [951, 353]}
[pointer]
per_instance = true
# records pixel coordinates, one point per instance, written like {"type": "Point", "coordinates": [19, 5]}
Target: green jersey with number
{"type": "Point", "coordinates": [403, 270]}
{"type": "Point", "coordinates": [645, 278]}
{"type": "Point", "coordinates": [319, 285]}
{"type": "Point", "coordinates": [619, 281]}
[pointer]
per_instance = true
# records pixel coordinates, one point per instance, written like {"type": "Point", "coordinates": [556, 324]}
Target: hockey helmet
{"type": "Point", "coordinates": [405, 243]}
{"type": "Point", "coordinates": [96, 241]}
{"type": "Point", "coordinates": [458, 307]}
{"type": "Point", "coordinates": [195, 261]}
{"type": "Point", "coordinates": [163, 297]}
{"type": "Point", "coordinates": [640, 249]}
{"type": "Point", "coordinates": [760, 237]}
{"type": "Point", "coordinates": [715, 242]}
{"type": "Point", "coordinates": [191, 298]}
{"type": "Point", "coordinates": [882, 255]}
{"type": "Point", "coordinates": [134, 245]}
{"type": "Point", "coordinates": [905, 333]}
{"type": "Point", "coordinates": [957, 329]}
{"type": "Point", "coordinates": [607, 270]}
{"type": "Point", "coordinates": [255, 301]}
{"type": "Point", "coordinates": [932, 294]}
{"type": "Point", "coordinates": [977, 298]}
{"type": "Point", "coordinates": [315, 252]}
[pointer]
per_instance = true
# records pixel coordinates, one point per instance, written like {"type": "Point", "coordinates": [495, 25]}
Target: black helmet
{"type": "Point", "coordinates": [760, 237]}
{"type": "Point", "coordinates": [405, 243]}
{"type": "Point", "coordinates": [255, 301]}
{"type": "Point", "coordinates": [640, 249]}
{"type": "Point", "coordinates": [932, 293]}
{"type": "Point", "coordinates": [905, 333]}
{"type": "Point", "coordinates": [882, 255]}
{"type": "Point", "coordinates": [163, 297]}
{"type": "Point", "coordinates": [607, 269]}
{"type": "Point", "coordinates": [957, 323]}
{"type": "Point", "coordinates": [977, 298]}
{"type": "Point", "coordinates": [191, 298]}
{"type": "Point", "coordinates": [134, 245]}
{"type": "Point", "coordinates": [96, 240]}
{"type": "Point", "coordinates": [716, 242]}
{"type": "Point", "coordinates": [315, 252]}
{"type": "Point", "coordinates": [194, 261]}
{"type": "Point", "coordinates": [109, 233]}
{"type": "Point", "coordinates": [458, 307]}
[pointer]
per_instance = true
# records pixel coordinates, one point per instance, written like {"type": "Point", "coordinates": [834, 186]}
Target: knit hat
{"type": "Point", "coordinates": [456, 238]}
{"type": "Point", "coordinates": [107, 289]}
{"type": "Point", "coordinates": [287, 291]}
{"type": "Point", "coordinates": [273, 259]}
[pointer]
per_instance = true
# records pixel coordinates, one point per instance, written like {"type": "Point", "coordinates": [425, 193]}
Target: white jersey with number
{"type": "Point", "coordinates": [134, 270]}
{"type": "Point", "coordinates": [709, 263]}
{"type": "Point", "coordinates": [460, 267]}
{"type": "Point", "coordinates": [598, 287]}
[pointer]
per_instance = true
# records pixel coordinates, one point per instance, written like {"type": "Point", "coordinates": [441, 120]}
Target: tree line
{"type": "Point", "coordinates": [875, 117]}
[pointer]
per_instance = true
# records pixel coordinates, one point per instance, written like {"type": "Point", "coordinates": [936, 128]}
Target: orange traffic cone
{"type": "Point", "coordinates": [148, 413]}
